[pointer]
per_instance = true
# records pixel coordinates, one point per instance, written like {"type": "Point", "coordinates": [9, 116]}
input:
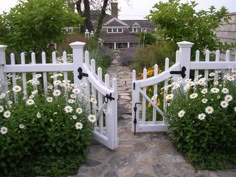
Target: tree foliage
{"type": "Point", "coordinates": [181, 22]}
{"type": "Point", "coordinates": [32, 24]}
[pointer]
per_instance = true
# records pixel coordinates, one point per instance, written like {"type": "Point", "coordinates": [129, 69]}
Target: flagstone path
{"type": "Point", "coordinates": [142, 155]}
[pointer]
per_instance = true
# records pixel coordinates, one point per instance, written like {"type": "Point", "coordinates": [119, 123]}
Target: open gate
{"type": "Point", "coordinates": [148, 114]}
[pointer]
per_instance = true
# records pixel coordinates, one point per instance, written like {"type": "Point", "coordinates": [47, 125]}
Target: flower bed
{"type": "Point", "coordinates": [44, 134]}
{"type": "Point", "coordinates": [202, 120]}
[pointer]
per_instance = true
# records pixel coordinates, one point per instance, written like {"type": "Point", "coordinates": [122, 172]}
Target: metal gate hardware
{"type": "Point", "coordinates": [182, 72]}
{"type": "Point", "coordinates": [135, 117]}
{"type": "Point", "coordinates": [81, 74]}
{"type": "Point", "coordinates": [108, 97]}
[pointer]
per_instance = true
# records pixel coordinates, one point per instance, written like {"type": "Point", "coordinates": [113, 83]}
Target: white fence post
{"type": "Point", "coordinates": [3, 79]}
{"type": "Point", "coordinates": [185, 56]}
{"type": "Point", "coordinates": [78, 60]}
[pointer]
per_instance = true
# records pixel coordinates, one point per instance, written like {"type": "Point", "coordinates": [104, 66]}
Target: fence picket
{"type": "Point", "coordinates": [14, 76]}
{"type": "Point", "coordinates": [24, 80]}
{"type": "Point", "coordinates": [154, 112]}
{"type": "Point", "coordinates": [167, 64]}
{"type": "Point", "coordinates": [100, 101]}
{"type": "Point", "coordinates": [44, 75]}
{"type": "Point", "coordinates": [207, 59]}
{"type": "Point", "coordinates": [144, 102]}
{"type": "Point", "coordinates": [197, 58]}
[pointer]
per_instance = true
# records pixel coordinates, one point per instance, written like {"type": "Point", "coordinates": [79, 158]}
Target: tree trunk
{"type": "Point", "coordinates": [86, 14]}
{"type": "Point", "coordinates": [101, 18]}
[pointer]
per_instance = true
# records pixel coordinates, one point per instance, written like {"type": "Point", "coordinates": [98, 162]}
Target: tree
{"type": "Point", "coordinates": [87, 5]}
{"type": "Point", "coordinates": [181, 22]}
{"type": "Point", "coordinates": [147, 38]}
{"type": "Point", "coordinates": [32, 24]}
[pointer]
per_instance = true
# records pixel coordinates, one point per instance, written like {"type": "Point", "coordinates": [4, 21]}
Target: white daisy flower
{"type": "Point", "coordinates": [228, 98]}
{"type": "Point", "coordinates": [21, 126]}
{"type": "Point", "coordinates": [201, 82]}
{"type": "Point", "coordinates": [74, 117]}
{"type": "Point", "coordinates": [93, 100]}
{"type": "Point", "coordinates": [209, 110]}
{"type": "Point", "coordinates": [1, 108]}
{"type": "Point", "coordinates": [9, 102]}
{"type": "Point", "coordinates": [71, 101]}
{"type": "Point", "coordinates": [78, 125]}
{"type": "Point", "coordinates": [169, 97]}
{"type": "Point", "coordinates": [230, 78]}
{"type": "Point", "coordinates": [4, 130]}
{"type": "Point", "coordinates": [204, 100]}
{"type": "Point", "coordinates": [49, 99]}
{"type": "Point", "coordinates": [76, 91]}
{"type": "Point", "coordinates": [16, 89]}
{"type": "Point", "coordinates": [79, 110]}
{"type": "Point", "coordinates": [7, 114]}
{"type": "Point", "coordinates": [181, 113]}
{"type": "Point", "coordinates": [92, 118]}
{"type": "Point", "coordinates": [56, 92]}
{"type": "Point", "coordinates": [34, 92]}
{"type": "Point", "coordinates": [56, 82]}
{"type": "Point", "coordinates": [201, 116]}
{"type": "Point", "coordinates": [68, 109]}
{"type": "Point", "coordinates": [38, 76]}
{"type": "Point", "coordinates": [216, 83]}
{"type": "Point", "coordinates": [212, 74]}
{"type": "Point", "coordinates": [204, 91]}
{"type": "Point", "coordinates": [224, 104]}
{"type": "Point", "coordinates": [50, 87]}
{"type": "Point", "coordinates": [225, 90]}
{"type": "Point", "coordinates": [73, 96]}
{"type": "Point", "coordinates": [73, 85]}
{"type": "Point", "coordinates": [30, 102]}
{"type": "Point", "coordinates": [31, 96]}
{"type": "Point", "coordinates": [2, 95]}
{"type": "Point", "coordinates": [193, 96]}
{"type": "Point", "coordinates": [215, 90]}
{"type": "Point", "coordinates": [55, 113]}
{"type": "Point", "coordinates": [38, 115]}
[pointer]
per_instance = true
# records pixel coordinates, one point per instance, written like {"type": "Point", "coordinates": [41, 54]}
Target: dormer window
{"type": "Point", "coordinates": [114, 30]}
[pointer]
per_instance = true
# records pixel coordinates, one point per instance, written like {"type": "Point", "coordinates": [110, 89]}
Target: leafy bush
{"type": "Point", "coordinates": [44, 134]}
{"type": "Point", "coordinates": [202, 120]}
{"type": "Point", "coordinates": [101, 54]}
{"type": "Point", "coordinates": [151, 55]}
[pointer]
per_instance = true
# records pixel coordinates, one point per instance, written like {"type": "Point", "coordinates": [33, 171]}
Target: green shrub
{"type": "Point", "coordinates": [44, 134]}
{"type": "Point", "coordinates": [151, 55]}
{"type": "Point", "coordinates": [202, 121]}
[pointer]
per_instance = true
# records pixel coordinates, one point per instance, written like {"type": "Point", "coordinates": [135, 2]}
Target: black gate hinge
{"type": "Point", "coordinates": [182, 72]}
{"type": "Point", "coordinates": [108, 97]}
{"type": "Point", "coordinates": [133, 85]}
{"type": "Point", "coordinates": [81, 74]}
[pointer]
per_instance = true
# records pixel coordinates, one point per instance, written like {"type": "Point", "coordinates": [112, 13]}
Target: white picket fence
{"type": "Point", "coordinates": [105, 130]}
{"type": "Point", "coordinates": [140, 99]}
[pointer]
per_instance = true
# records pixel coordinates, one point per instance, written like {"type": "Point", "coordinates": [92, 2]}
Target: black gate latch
{"type": "Point", "coordinates": [182, 72]}
{"type": "Point", "coordinates": [81, 74]}
{"type": "Point", "coordinates": [108, 97]}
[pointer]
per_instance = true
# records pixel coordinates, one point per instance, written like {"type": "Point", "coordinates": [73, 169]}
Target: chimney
{"type": "Point", "coordinates": [114, 9]}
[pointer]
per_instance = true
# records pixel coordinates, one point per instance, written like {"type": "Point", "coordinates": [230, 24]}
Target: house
{"type": "Point", "coordinates": [117, 34]}
{"type": "Point", "coordinates": [226, 32]}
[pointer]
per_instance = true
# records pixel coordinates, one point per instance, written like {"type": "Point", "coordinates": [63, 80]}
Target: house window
{"type": "Point", "coordinates": [120, 30]}
{"type": "Point", "coordinates": [134, 30]}
{"type": "Point", "coordinates": [109, 30]}
{"type": "Point", "coordinates": [114, 30]}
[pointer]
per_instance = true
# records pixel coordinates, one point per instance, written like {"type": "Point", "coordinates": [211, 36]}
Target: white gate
{"type": "Point", "coordinates": [148, 112]}
{"type": "Point", "coordinates": [84, 71]}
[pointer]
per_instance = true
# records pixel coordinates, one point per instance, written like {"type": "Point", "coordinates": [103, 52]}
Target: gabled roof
{"type": "Point", "coordinates": [142, 23]}
{"type": "Point", "coordinates": [115, 22]}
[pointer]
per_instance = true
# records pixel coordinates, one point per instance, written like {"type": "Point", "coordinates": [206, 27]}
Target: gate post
{"type": "Point", "coordinates": [3, 79]}
{"type": "Point", "coordinates": [78, 60]}
{"type": "Point", "coordinates": [185, 56]}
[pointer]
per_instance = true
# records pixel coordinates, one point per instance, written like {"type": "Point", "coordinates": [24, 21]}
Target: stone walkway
{"type": "Point", "coordinates": [143, 155]}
